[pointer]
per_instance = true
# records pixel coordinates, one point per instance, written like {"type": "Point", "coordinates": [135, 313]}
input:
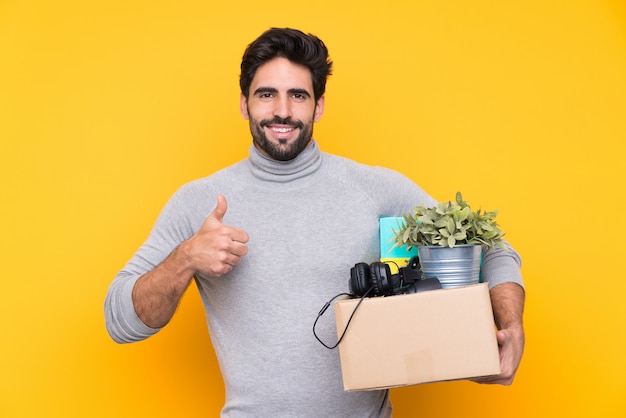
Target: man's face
{"type": "Point", "coordinates": [281, 109]}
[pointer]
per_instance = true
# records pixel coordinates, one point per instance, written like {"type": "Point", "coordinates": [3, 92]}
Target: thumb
{"type": "Point", "coordinates": [501, 336]}
{"type": "Point", "coordinates": [220, 209]}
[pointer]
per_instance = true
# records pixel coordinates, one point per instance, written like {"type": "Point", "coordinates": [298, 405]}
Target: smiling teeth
{"type": "Point", "coordinates": [282, 130]}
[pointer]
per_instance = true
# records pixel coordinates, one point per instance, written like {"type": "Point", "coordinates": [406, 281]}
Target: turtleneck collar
{"type": "Point", "coordinates": [265, 168]}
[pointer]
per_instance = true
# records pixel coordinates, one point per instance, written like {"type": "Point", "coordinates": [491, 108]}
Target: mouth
{"type": "Point", "coordinates": [282, 133]}
{"type": "Point", "coordinates": [282, 130]}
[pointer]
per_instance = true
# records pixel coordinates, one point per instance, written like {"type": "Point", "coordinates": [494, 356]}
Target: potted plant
{"type": "Point", "coordinates": [449, 237]}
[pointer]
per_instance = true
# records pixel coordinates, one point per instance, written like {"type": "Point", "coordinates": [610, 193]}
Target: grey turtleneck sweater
{"type": "Point", "coordinates": [309, 220]}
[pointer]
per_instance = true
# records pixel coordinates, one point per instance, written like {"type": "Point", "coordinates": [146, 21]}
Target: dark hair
{"type": "Point", "coordinates": [297, 47]}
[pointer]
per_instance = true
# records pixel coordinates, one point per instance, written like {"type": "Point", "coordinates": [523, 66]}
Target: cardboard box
{"type": "Point", "coordinates": [431, 336]}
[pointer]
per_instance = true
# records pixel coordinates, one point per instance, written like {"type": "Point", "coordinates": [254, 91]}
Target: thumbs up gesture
{"type": "Point", "coordinates": [216, 248]}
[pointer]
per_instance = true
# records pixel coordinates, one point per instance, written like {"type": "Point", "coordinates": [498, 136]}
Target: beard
{"type": "Point", "coordinates": [283, 150]}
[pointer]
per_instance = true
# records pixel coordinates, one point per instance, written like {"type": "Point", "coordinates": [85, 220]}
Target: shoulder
{"type": "Point", "coordinates": [224, 179]}
{"type": "Point", "coordinates": [395, 189]}
{"type": "Point", "coordinates": [360, 172]}
{"type": "Point", "coordinates": [198, 196]}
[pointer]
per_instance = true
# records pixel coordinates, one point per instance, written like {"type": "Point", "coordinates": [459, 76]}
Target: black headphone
{"type": "Point", "coordinates": [376, 279]}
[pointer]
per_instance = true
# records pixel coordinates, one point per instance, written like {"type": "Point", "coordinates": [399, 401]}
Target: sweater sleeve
{"type": "Point", "coordinates": [397, 194]}
{"type": "Point", "coordinates": [498, 266]}
{"type": "Point", "coordinates": [501, 266]}
{"type": "Point", "coordinates": [121, 320]}
{"type": "Point", "coordinates": [178, 220]}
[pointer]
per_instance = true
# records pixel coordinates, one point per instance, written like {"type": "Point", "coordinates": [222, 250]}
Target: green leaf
{"type": "Point", "coordinates": [464, 213]}
{"type": "Point", "coordinates": [460, 236]}
{"type": "Point", "coordinates": [449, 224]}
{"type": "Point", "coordinates": [441, 223]}
{"type": "Point", "coordinates": [406, 235]}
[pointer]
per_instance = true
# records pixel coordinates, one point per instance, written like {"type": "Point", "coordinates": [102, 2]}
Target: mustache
{"type": "Point", "coordinates": [282, 121]}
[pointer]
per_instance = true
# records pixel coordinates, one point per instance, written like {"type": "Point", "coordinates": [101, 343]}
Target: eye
{"type": "Point", "coordinates": [299, 97]}
{"type": "Point", "coordinates": [266, 95]}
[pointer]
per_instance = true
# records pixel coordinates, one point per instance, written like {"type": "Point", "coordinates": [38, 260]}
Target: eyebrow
{"type": "Point", "coordinates": [299, 91]}
{"type": "Point", "coordinates": [303, 92]}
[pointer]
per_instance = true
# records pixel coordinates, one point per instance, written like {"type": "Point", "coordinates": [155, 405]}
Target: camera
{"type": "Point", "coordinates": [375, 279]}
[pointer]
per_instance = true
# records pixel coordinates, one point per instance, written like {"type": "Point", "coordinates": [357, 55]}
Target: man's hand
{"type": "Point", "coordinates": [511, 342]}
{"type": "Point", "coordinates": [508, 306]}
{"type": "Point", "coordinates": [213, 250]}
{"type": "Point", "coordinates": [216, 248]}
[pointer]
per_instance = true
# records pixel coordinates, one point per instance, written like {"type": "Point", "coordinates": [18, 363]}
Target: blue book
{"type": "Point", "coordinates": [389, 252]}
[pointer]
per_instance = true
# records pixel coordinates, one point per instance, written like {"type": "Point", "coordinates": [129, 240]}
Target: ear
{"type": "Point", "coordinates": [319, 109]}
{"type": "Point", "coordinates": [243, 107]}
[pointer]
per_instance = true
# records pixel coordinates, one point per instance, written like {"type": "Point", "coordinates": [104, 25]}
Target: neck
{"type": "Point", "coordinates": [266, 168]}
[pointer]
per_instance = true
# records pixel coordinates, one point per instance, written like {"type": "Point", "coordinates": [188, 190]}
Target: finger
{"type": "Point", "coordinates": [232, 259]}
{"type": "Point", "coordinates": [501, 337]}
{"type": "Point", "coordinates": [239, 248]}
{"type": "Point", "coordinates": [239, 236]}
{"type": "Point", "coordinates": [220, 209]}
{"type": "Point", "coordinates": [484, 380]}
{"type": "Point", "coordinates": [491, 380]}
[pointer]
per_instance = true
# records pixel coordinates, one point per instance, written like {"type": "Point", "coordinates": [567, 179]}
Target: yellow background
{"type": "Point", "coordinates": [106, 107]}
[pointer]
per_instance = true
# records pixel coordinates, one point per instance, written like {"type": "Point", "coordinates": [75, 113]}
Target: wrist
{"type": "Point", "coordinates": [514, 326]}
{"type": "Point", "coordinates": [183, 260]}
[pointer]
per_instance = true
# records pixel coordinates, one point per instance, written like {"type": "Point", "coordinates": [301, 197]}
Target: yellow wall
{"type": "Point", "coordinates": [106, 107]}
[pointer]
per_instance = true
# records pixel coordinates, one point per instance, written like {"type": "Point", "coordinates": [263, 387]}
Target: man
{"type": "Point", "coordinates": [266, 260]}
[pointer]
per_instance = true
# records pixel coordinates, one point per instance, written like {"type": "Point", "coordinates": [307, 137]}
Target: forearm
{"type": "Point", "coordinates": [156, 294]}
{"type": "Point", "coordinates": [144, 296]}
{"type": "Point", "coordinates": [507, 300]}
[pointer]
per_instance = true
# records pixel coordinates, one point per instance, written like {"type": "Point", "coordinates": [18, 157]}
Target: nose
{"type": "Point", "coordinates": [282, 107]}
